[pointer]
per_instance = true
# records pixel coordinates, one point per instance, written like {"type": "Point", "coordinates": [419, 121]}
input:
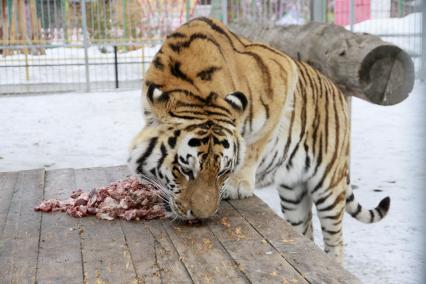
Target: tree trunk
{"type": "Point", "coordinates": [362, 65]}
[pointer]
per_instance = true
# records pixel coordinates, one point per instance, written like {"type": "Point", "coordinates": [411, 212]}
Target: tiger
{"type": "Point", "coordinates": [225, 115]}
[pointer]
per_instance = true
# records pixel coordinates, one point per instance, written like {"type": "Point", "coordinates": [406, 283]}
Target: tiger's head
{"type": "Point", "coordinates": [190, 145]}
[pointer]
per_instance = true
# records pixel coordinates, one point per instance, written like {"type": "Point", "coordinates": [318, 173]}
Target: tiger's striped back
{"type": "Point", "coordinates": [242, 113]}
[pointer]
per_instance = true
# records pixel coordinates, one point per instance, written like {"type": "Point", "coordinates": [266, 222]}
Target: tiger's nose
{"type": "Point", "coordinates": [204, 204]}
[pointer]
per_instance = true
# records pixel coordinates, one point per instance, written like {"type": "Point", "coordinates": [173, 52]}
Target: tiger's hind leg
{"type": "Point", "coordinates": [296, 205]}
{"type": "Point", "coordinates": [330, 204]}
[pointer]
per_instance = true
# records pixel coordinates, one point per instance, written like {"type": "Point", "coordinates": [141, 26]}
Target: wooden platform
{"type": "Point", "coordinates": [245, 243]}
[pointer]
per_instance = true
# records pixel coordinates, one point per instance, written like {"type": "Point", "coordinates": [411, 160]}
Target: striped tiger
{"type": "Point", "coordinates": [224, 115]}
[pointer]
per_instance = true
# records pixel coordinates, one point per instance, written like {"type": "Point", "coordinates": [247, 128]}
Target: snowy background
{"type": "Point", "coordinates": [94, 129]}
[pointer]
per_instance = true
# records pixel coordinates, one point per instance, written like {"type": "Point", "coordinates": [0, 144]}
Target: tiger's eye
{"type": "Point", "coordinates": [225, 144]}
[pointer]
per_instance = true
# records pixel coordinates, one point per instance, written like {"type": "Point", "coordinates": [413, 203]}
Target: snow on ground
{"type": "Point", "coordinates": [67, 130]}
{"type": "Point", "coordinates": [94, 129]}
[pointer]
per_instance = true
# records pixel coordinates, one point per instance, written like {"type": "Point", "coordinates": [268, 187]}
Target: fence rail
{"type": "Point", "coordinates": [74, 45]}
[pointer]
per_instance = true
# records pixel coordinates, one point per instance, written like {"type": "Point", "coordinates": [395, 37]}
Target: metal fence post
{"type": "Point", "coordinates": [27, 66]}
{"type": "Point", "coordinates": [125, 23]}
{"type": "Point", "coordinates": [422, 72]}
{"type": "Point", "coordinates": [317, 11]}
{"type": "Point", "coordinates": [187, 10]}
{"type": "Point", "coordinates": [352, 14]}
{"type": "Point", "coordinates": [116, 67]}
{"type": "Point", "coordinates": [349, 98]}
{"type": "Point", "coordinates": [86, 44]}
{"type": "Point", "coordinates": [225, 12]}
{"type": "Point", "coordinates": [143, 62]}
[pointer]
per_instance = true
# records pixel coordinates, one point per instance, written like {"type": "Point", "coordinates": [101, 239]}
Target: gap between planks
{"type": "Point", "coordinates": [270, 243]}
{"type": "Point", "coordinates": [220, 250]}
{"type": "Point", "coordinates": [166, 274]}
{"type": "Point", "coordinates": [103, 245]}
{"type": "Point", "coordinates": [56, 264]}
{"type": "Point", "coordinates": [309, 260]}
{"type": "Point", "coordinates": [104, 175]}
{"type": "Point", "coordinates": [21, 232]}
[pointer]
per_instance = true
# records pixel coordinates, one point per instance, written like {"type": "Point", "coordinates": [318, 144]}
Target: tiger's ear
{"type": "Point", "coordinates": [237, 100]}
{"type": "Point", "coordinates": [155, 95]}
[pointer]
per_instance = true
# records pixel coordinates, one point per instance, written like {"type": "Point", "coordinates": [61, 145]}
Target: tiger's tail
{"type": "Point", "coordinates": [366, 215]}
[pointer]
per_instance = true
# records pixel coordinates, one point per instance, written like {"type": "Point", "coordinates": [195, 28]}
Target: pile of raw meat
{"type": "Point", "coordinates": [127, 199]}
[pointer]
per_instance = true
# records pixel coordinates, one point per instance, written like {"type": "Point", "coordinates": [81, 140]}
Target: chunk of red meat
{"type": "Point", "coordinates": [127, 199]}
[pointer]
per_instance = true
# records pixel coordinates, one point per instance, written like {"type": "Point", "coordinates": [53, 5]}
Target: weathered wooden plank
{"type": "Point", "coordinates": [106, 258]}
{"type": "Point", "coordinates": [234, 233]}
{"type": "Point", "coordinates": [59, 254]}
{"type": "Point", "coordinates": [117, 173]}
{"type": "Point", "coordinates": [308, 259]}
{"type": "Point", "coordinates": [142, 246]}
{"type": "Point", "coordinates": [172, 265]}
{"type": "Point", "coordinates": [261, 262]}
{"type": "Point", "coordinates": [20, 239]}
{"type": "Point", "coordinates": [172, 268]}
{"type": "Point", "coordinates": [138, 238]}
{"type": "Point", "coordinates": [7, 188]}
{"type": "Point", "coordinates": [229, 225]}
{"type": "Point", "coordinates": [203, 255]}
{"type": "Point", "coordinates": [255, 256]}
{"type": "Point", "coordinates": [245, 242]}
{"type": "Point", "coordinates": [154, 256]}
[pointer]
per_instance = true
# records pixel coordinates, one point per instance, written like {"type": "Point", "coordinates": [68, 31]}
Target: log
{"type": "Point", "coordinates": [362, 65]}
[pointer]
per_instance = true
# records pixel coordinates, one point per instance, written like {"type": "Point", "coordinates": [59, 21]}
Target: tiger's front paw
{"type": "Point", "coordinates": [237, 187]}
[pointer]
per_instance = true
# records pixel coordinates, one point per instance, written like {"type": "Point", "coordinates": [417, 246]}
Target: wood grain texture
{"type": "Point", "coordinates": [20, 240]}
{"type": "Point", "coordinates": [106, 257]}
{"type": "Point", "coordinates": [254, 255]}
{"type": "Point", "coordinates": [7, 189]}
{"type": "Point", "coordinates": [170, 262]}
{"type": "Point", "coordinates": [59, 253]}
{"type": "Point", "coordinates": [246, 242]}
{"type": "Point", "coordinates": [361, 64]}
{"type": "Point", "coordinates": [204, 257]}
{"type": "Point", "coordinates": [309, 260]}
{"type": "Point", "coordinates": [154, 257]}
